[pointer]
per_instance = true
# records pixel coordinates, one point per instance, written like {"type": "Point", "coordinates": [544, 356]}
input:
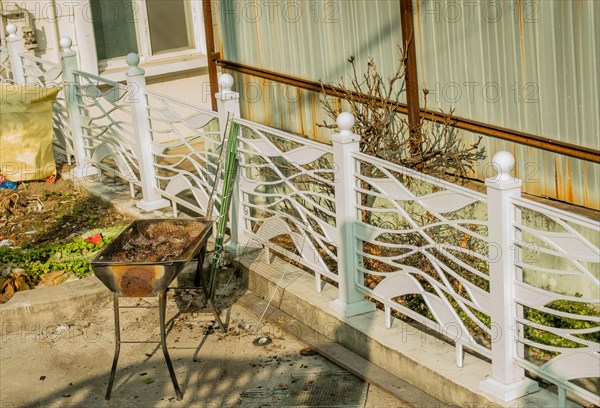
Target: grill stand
{"type": "Point", "coordinates": [162, 308]}
{"type": "Point", "coordinates": [199, 279]}
{"type": "Point", "coordinates": [113, 371]}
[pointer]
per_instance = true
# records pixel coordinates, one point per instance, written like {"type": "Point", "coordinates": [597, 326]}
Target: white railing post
{"type": "Point", "coordinates": [350, 300]}
{"type": "Point", "coordinates": [83, 167]}
{"type": "Point", "coordinates": [228, 103]}
{"type": "Point", "coordinates": [507, 380]}
{"type": "Point", "coordinates": [136, 81]}
{"type": "Point", "coordinates": [14, 43]}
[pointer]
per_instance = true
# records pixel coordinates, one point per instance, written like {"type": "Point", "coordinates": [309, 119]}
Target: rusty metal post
{"type": "Point", "coordinates": [210, 52]}
{"type": "Point", "coordinates": [412, 85]}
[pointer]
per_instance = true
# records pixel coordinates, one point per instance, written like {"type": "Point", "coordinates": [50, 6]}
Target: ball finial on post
{"type": "Point", "coordinates": [133, 61]}
{"type": "Point", "coordinates": [66, 43]}
{"type": "Point", "coordinates": [12, 30]}
{"type": "Point", "coordinates": [345, 122]}
{"type": "Point", "coordinates": [503, 162]}
{"type": "Point", "coordinates": [225, 83]}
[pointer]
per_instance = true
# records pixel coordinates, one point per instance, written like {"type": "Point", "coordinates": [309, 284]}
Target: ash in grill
{"type": "Point", "coordinates": [154, 241]}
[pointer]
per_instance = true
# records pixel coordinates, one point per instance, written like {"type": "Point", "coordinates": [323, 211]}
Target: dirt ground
{"type": "Point", "coordinates": [41, 212]}
{"type": "Point", "coordinates": [68, 363]}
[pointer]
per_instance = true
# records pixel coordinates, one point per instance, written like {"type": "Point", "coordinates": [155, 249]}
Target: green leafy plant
{"type": "Point", "coordinates": [72, 256]}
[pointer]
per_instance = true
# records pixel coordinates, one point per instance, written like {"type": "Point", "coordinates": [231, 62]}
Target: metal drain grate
{"type": "Point", "coordinates": [339, 389]}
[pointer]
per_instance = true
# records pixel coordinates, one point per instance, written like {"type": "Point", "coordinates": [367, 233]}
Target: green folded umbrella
{"type": "Point", "coordinates": [229, 157]}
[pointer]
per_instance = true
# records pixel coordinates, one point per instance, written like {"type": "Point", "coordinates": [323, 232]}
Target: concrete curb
{"type": "Point", "coordinates": [39, 308]}
{"type": "Point", "coordinates": [423, 361]}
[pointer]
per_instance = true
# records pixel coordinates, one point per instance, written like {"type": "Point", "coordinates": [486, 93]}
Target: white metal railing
{"type": "Point", "coordinates": [107, 128]}
{"type": "Point", "coordinates": [286, 187]}
{"type": "Point", "coordinates": [485, 270]}
{"type": "Point", "coordinates": [39, 72]}
{"type": "Point", "coordinates": [423, 250]}
{"type": "Point", "coordinates": [563, 346]}
{"type": "Point", "coordinates": [5, 69]}
{"type": "Point", "coordinates": [186, 141]}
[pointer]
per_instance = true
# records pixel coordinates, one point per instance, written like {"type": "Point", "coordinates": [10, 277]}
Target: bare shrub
{"type": "Point", "coordinates": [384, 133]}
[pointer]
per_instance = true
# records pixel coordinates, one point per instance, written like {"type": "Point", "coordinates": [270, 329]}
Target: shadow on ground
{"type": "Point", "coordinates": [213, 369]}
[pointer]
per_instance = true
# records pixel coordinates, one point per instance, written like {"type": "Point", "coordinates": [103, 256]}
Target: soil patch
{"type": "Point", "coordinates": [49, 232]}
{"type": "Point", "coordinates": [40, 212]}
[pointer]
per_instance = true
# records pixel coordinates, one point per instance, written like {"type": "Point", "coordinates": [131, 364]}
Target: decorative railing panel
{"type": "Point", "coordinates": [186, 142]}
{"type": "Point", "coordinates": [287, 196]}
{"type": "Point", "coordinates": [558, 258]}
{"type": "Point", "coordinates": [5, 68]}
{"type": "Point", "coordinates": [106, 122]}
{"type": "Point", "coordinates": [423, 251]}
{"type": "Point", "coordinates": [39, 72]}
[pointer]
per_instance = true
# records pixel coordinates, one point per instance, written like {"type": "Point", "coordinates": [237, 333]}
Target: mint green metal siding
{"type": "Point", "coordinates": [526, 65]}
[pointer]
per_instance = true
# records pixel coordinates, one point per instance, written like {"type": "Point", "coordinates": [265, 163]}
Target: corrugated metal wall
{"type": "Point", "coordinates": [526, 65]}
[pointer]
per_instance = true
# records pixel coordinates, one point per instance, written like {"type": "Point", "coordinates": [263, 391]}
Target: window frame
{"type": "Point", "coordinates": [113, 66]}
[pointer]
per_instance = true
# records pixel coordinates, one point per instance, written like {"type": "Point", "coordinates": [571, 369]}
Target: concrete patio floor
{"type": "Point", "coordinates": [42, 366]}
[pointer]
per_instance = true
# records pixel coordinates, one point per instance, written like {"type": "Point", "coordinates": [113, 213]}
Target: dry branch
{"type": "Point", "coordinates": [384, 133]}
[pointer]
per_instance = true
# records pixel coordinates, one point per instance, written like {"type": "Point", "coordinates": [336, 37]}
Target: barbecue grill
{"type": "Point", "coordinates": [143, 261]}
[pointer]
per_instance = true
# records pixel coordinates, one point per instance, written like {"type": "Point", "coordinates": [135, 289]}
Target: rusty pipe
{"type": "Point", "coordinates": [512, 135]}
{"type": "Point", "coordinates": [210, 52]}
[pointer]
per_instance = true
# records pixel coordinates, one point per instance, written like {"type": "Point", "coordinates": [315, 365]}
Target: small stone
{"type": "Point", "coordinates": [61, 329]}
{"type": "Point", "coordinates": [308, 352]}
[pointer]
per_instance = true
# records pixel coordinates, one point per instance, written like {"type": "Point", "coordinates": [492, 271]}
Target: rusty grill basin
{"type": "Point", "coordinates": [145, 258]}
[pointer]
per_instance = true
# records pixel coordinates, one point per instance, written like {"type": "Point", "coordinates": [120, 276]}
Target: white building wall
{"type": "Point", "coordinates": [183, 79]}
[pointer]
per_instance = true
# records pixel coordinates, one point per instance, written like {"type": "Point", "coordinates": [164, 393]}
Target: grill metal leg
{"type": "Point", "coordinates": [198, 275]}
{"type": "Point", "coordinates": [162, 308]}
{"type": "Point", "coordinates": [113, 371]}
